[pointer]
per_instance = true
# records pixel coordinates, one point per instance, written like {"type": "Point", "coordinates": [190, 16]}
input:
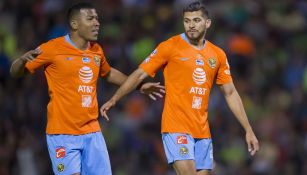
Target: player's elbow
{"type": "Point", "coordinates": [228, 89]}
{"type": "Point", "coordinates": [15, 73]}
{"type": "Point", "coordinates": [140, 74]}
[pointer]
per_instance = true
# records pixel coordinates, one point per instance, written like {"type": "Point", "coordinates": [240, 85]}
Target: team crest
{"type": "Point", "coordinates": [212, 62]}
{"type": "Point", "coordinates": [60, 167]}
{"type": "Point", "coordinates": [97, 60]}
{"type": "Point", "coordinates": [183, 151]}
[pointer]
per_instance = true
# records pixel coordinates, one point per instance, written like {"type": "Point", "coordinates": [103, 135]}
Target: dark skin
{"type": "Point", "coordinates": [85, 28]}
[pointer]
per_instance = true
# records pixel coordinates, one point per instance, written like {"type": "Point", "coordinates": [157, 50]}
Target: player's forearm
{"type": "Point", "coordinates": [116, 77]}
{"type": "Point", "coordinates": [18, 68]}
{"type": "Point", "coordinates": [129, 85]}
{"type": "Point", "coordinates": [236, 106]}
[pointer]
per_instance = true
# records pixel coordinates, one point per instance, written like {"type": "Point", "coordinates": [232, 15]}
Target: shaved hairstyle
{"type": "Point", "coordinates": [75, 9]}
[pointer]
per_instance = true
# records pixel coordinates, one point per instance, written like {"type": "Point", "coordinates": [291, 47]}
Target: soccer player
{"type": "Point", "coordinates": [72, 65]}
{"type": "Point", "coordinates": [191, 64]}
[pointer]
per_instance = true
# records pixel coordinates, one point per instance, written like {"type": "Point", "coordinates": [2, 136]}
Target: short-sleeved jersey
{"type": "Point", "coordinates": [189, 75]}
{"type": "Point", "coordinates": [72, 77]}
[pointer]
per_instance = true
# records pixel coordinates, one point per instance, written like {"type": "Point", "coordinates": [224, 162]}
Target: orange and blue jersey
{"type": "Point", "coordinates": [189, 74]}
{"type": "Point", "coordinates": [72, 77]}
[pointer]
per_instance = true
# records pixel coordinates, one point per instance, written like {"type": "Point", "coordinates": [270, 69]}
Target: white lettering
{"type": "Point", "coordinates": [85, 89]}
{"type": "Point", "coordinates": [198, 90]}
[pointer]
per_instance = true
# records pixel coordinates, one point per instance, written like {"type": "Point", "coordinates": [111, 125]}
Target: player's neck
{"type": "Point", "coordinates": [79, 42]}
{"type": "Point", "coordinates": [198, 44]}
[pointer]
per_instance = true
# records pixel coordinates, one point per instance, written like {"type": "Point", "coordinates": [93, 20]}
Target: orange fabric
{"type": "Point", "coordinates": [72, 76]}
{"type": "Point", "coordinates": [189, 75]}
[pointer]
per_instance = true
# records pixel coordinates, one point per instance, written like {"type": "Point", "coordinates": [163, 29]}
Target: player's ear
{"type": "Point", "coordinates": [74, 24]}
{"type": "Point", "coordinates": [208, 23]}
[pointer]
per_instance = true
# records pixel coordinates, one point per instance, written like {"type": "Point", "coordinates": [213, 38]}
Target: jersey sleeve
{"type": "Point", "coordinates": [157, 59]}
{"type": "Point", "coordinates": [44, 59]}
{"type": "Point", "coordinates": [104, 66]}
{"type": "Point", "coordinates": [223, 75]}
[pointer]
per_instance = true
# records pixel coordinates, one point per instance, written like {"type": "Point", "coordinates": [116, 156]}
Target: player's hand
{"type": "Point", "coordinates": [252, 142]}
{"type": "Point", "coordinates": [31, 55]}
{"type": "Point", "coordinates": [105, 107]}
{"type": "Point", "coordinates": [153, 90]}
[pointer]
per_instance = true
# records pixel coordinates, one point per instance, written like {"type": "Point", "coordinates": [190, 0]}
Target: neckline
{"type": "Point", "coordinates": [69, 41]}
{"type": "Point", "coordinates": [186, 40]}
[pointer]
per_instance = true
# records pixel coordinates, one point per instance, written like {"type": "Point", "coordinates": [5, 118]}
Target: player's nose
{"type": "Point", "coordinates": [96, 23]}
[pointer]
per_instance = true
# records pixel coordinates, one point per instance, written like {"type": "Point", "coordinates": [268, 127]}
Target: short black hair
{"type": "Point", "coordinates": [75, 9]}
{"type": "Point", "coordinates": [196, 6]}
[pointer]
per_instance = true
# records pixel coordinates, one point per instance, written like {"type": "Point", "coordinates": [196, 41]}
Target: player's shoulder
{"type": "Point", "coordinates": [56, 41]}
{"type": "Point", "coordinates": [53, 43]}
{"type": "Point", "coordinates": [171, 42]}
{"type": "Point", "coordinates": [174, 39]}
{"type": "Point", "coordinates": [215, 48]}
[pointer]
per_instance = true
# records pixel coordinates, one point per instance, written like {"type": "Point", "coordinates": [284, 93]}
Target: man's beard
{"type": "Point", "coordinates": [196, 39]}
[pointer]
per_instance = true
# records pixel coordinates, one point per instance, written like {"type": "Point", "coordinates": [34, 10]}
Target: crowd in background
{"type": "Point", "coordinates": [265, 42]}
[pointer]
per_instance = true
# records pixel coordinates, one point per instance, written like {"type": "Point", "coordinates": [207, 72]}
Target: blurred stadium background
{"type": "Point", "coordinates": [266, 45]}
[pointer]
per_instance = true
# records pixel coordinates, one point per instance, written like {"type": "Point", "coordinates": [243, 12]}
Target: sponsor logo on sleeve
{"type": "Point", "coordinates": [153, 53]}
{"type": "Point", "coordinates": [227, 72]}
{"type": "Point", "coordinates": [147, 60]}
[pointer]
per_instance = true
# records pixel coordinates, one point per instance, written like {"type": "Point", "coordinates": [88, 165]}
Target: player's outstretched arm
{"type": "Point", "coordinates": [116, 77]}
{"type": "Point", "coordinates": [235, 104]}
{"type": "Point", "coordinates": [152, 89]}
{"type": "Point", "coordinates": [18, 66]}
{"type": "Point", "coordinates": [129, 85]}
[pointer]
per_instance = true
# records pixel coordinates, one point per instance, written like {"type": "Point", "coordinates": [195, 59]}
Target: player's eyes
{"type": "Point", "coordinates": [90, 18]}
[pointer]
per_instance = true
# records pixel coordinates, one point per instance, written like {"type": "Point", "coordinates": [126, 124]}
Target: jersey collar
{"type": "Point", "coordinates": [184, 37]}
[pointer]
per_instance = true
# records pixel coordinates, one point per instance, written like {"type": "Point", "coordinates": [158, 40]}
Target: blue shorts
{"type": "Point", "coordinates": [85, 154]}
{"type": "Point", "coordinates": [179, 146]}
